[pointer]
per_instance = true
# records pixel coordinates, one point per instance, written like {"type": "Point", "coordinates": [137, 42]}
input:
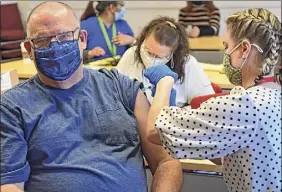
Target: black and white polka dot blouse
{"type": "Point", "coordinates": [243, 127]}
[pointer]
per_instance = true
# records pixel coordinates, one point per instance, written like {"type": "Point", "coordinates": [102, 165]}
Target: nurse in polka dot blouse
{"type": "Point", "coordinates": [244, 127]}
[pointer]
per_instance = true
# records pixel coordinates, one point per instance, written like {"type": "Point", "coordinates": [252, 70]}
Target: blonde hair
{"type": "Point", "coordinates": [260, 27]}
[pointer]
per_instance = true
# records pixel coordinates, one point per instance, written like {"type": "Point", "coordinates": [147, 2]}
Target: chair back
{"type": "Point", "coordinates": [196, 102]}
{"type": "Point", "coordinates": [10, 17]}
{"type": "Point", "coordinates": [216, 88]}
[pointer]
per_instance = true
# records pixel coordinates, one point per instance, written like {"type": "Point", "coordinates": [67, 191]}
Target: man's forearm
{"type": "Point", "coordinates": [168, 177]}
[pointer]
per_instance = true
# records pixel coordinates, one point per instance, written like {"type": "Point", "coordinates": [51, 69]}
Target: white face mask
{"type": "Point", "coordinates": [150, 61]}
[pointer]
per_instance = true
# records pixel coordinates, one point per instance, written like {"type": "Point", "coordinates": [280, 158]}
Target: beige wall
{"type": "Point", "coordinates": [138, 13]}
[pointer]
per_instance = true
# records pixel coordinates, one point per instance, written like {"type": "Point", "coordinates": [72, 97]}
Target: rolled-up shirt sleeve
{"type": "Point", "coordinates": [14, 165]}
{"type": "Point", "coordinates": [221, 126]}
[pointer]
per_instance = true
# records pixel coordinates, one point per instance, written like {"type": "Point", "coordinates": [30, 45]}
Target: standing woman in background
{"type": "Point", "coordinates": [164, 42]}
{"type": "Point", "coordinates": [200, 18]}
{"type": "Point", "coordinates": [108, 34]}
{"type": "Point", "coordinates": [243, 127]}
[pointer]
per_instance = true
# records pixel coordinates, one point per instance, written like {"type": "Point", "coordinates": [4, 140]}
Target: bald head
{"type": "Point", "coordinates": [49, 14]}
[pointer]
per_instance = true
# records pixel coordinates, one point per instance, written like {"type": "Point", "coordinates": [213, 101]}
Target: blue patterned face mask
{"type": "Point", "coordinates": [58, 61]}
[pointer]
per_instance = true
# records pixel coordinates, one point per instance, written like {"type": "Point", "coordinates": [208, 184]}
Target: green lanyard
{"type": "Point", "coordinates": [111, 46]}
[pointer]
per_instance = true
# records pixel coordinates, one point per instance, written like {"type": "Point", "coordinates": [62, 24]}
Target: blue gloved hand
{"type": "Point", "coordinates": [172, 99]}
{"type": "Point", "coordinates": [156, 73]}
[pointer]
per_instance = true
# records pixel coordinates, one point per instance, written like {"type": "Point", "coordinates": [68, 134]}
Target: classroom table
{"type": "Point", "coordinates": [200, 165]}
{"type": "Point", "coordinates": [212, 43]}
{"type": "Point", "coordinates": [26, 70]}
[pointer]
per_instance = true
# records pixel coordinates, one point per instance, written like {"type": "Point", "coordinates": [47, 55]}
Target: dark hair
{"type": "Point", "coordinates": [100, 7]}
{"type": "Point", "coordinates": [208, 4]}
{"type": "Point", "coordinates": [169, 33]}
{"type": "Point", "coordinates": [89, 11]}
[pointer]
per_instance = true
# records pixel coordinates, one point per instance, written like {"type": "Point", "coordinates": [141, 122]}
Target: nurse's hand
{"type": "Point", "coordinates": [122, 39]}
{"type": "Point", "coordinates": [96, 52]}
{"type": "Point", "coordinates": [156, 73]}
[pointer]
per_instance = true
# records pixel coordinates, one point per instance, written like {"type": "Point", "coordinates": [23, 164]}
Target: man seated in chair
{"type": "Point", "coordinates": [74, 129]}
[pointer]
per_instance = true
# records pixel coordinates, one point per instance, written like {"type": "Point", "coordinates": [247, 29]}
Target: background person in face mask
{"type": "Point", "coordinates": [164, 42]}
{"type": "Point", "coordinates": [200, 18]}
{"type": "Point", "coordinates": [108, 34]}
{"type": "Point", "coordinates": [74, 129]}
{"type": "Point", "coordinates": [243, 127]}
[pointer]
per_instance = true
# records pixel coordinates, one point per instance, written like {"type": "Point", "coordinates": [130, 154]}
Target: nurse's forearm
{"type": "Point", "coordinates": [161, 99]}
{"type": "Point", "coordinates": [130, 40]}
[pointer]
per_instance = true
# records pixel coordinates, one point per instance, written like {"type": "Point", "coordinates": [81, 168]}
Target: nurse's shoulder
{"type": "Point", "coordinates": [121, 22]}
{"type": "Point", "coordinates": [195, 77]}
{"type": "Point", "coordinates": [127, 61]}
{"type": "Point", "coordinates": [192, 66]}
{"type": "Point", "coordinates": [89, 23]}
{"type": "Point", "coordinates": [191, 61]}
{"type": "Point", "coordinates": [123, 27]}
{"type": "Point", "coordinates": [129, 54]}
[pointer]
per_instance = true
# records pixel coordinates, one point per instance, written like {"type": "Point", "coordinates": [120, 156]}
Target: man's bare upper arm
{"type": "Point", "coordinates": [18, 187]}
{"type": "Point", "coordinates": [154, 154]}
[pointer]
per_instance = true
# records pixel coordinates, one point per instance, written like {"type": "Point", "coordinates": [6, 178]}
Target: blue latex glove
{"type": "Point", "coordinates": [172, 99]}
{"type": "Point", "coordinates": [156, 73]}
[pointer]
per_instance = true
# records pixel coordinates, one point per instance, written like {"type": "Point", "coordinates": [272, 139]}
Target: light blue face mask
{"type": "Point", "coordinates": [120, 15]}
{"type": "Point", "coordinates": [58, 61]}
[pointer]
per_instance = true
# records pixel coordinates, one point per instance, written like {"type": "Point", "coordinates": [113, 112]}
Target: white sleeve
{"type": "Point", "coordinates": [196, 80]}
{"type": "Point", "coordinates": [126, 61]}
{"type": "Point", "coordinates": [221, 126]}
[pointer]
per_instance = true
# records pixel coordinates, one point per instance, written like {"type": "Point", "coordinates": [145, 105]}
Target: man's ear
{"type": "Point", "coordinates": [28, 48]}
{"type": "Point", "coordinates": [83, 38]}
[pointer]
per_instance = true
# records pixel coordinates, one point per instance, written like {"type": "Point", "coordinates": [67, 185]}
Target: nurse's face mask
{"type": "Point", "coordinates": [120, 14]}
{"type": "Point", "coordinates": [149, 60]}
{"type": "Point", "coordinates": [57, 57]}
{"type": "Point", "coordinates": [235, 74]}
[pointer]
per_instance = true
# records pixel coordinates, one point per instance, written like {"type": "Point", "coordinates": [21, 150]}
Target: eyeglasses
{"type": "Point", "coordinates": [44, 42]}
{"type": "Point", "coordinates": [156, 57]}
{"type": "Point", "coordinates": [153, 56]}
